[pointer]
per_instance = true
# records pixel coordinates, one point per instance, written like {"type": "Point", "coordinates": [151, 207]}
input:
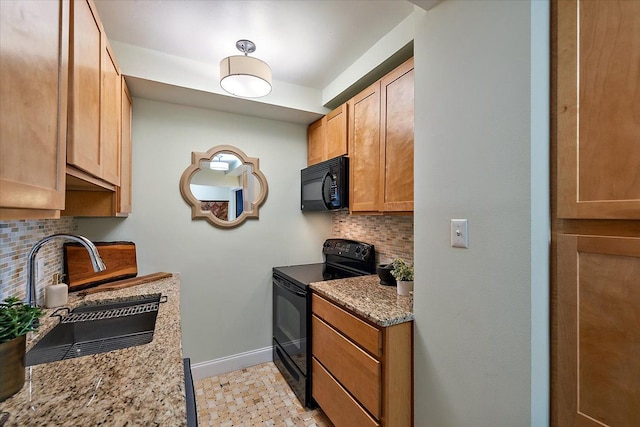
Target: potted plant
{"type": "Point", "coordinates": [16, 320]}
{"type": "Point", "coordinates": [403, 273]}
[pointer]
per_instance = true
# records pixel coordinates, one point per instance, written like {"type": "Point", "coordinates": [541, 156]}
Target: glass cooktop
{"type": "Point", "coordinates": [305, 274]}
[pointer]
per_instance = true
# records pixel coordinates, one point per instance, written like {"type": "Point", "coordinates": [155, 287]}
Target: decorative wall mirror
{"type": "Point", "coordinates": [223, 186]}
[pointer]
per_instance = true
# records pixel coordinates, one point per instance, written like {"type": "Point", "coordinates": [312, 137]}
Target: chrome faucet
{"type": "Point", "coordinates": [96, 261]}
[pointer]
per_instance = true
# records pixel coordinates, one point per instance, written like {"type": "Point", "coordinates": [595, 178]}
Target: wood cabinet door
{"type": "Point", "coordinates": [364, 150]}
{"type": "Point", "coordinates": [83, 140]}
{"type": "Point", "coordinates": [315, 142]}
{"type": "Point", "coordinates": [124, 191]}
{"type": "Point", "coordinates": [396, 145]}
{"type": "Point", "coordinates": [34, 44]}
{"type": "Point", "coordinates": [598, 120]}
{"type": "Point", "coordinates": [336, 133]}
{"type": "Point", "coordinates": [110, 105]}
{"type": "Point", "coordinates": [598, 356]}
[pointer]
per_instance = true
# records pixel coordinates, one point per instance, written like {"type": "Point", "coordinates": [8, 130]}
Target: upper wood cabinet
{"type": "Point", "coordinates": [327, 137]}
{"type": "Point", "coordinates": [336, 133]}
{"type": "Point", "coordinates": [124, 190]}
{"type": "Point", "coordinates": [381, 144]}
{"type": "Point", "coordinates": [364, 150]}
{"type": "Point", "coordinates": [396, 139]}
{"type": "Point", "coordinates": [83, 139]}
{"type": "Point", "coordinates": [61, 107]}
{"type": "Point", "coordinates": [315, 142]}
{"type": "Point", "coordinates": [598, 122]}
{"type": "Point", "coordinates": [94, 97]}
{"type": "Point", "coordinates": [87, 196]}
{"type": "Point", "coordinates": [34, 42]}
{"type": "Point", "coordinates": [110, 108]}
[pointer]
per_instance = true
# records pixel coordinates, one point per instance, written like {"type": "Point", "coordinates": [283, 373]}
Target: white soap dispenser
{"type": "Point", "coordinates": [57, 293]}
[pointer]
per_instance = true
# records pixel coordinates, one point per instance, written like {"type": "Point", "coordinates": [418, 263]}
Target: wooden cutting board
{"type": "Point", "coordinates": [119, 257]}
{"type": "Point", "coordinates": [126, 283]}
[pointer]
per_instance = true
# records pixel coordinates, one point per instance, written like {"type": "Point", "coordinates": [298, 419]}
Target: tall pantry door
{"type": "Point", "coordinates": [595, 281]}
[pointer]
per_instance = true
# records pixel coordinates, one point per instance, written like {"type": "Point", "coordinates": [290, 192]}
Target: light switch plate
{"type": "Point", "coordinates": [460, 233]}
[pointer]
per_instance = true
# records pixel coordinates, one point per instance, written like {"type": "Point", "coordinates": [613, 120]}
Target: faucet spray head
{"type": "Point", "coordinates": [96, 261]}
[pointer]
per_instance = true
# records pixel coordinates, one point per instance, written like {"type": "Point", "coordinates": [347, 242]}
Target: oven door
{"type": "Point", "coordinates": [290, 320]}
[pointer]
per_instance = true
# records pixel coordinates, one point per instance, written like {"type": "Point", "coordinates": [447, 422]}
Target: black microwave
{"type": "Point", "coordinates": [324, 186]}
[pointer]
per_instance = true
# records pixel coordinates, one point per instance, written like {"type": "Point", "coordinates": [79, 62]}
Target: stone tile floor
{"type": "Point", "coordinates": [255, 396]}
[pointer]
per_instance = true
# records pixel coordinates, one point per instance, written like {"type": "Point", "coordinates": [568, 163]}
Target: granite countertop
{"type": "Point", "coordinates": [142, 385]}
{"type": "Point", "coordinates": [365, 296]}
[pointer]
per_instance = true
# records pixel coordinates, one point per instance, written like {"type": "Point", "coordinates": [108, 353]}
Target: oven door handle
{"type": "Point", "coordinates": [288, 287]}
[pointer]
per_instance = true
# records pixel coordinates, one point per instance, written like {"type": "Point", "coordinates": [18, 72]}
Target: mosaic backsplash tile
{"type": "Point", "coordinates": [16, 240]}
{"type": "Point", "coordinates": [391, 235]}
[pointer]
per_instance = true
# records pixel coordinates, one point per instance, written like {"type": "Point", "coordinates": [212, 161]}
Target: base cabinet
{"type": "Point", "coordinates": [361, 373]}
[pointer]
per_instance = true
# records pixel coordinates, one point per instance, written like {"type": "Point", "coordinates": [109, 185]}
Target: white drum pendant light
{"type": "Point", "coordinates": [218, 165]}
{"type": "Point", "coordinates": [245, 76]}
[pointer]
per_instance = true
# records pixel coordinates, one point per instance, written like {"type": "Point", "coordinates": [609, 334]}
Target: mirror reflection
{"type": "Point", "coordinates": [223, 186]}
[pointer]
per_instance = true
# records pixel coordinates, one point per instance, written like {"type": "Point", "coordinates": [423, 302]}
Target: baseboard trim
{"type": "Point", "coordinates": [231, 363]}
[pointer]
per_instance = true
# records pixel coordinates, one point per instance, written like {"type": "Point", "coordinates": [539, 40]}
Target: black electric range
{"type": "Point", "coordinates": [292, 307]}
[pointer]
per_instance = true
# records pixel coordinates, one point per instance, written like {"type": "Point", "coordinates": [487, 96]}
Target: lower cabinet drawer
{"type": "Point", "coordinates": [340, 407]}
{"type": "Point", "coordinates": [367, 336]}
{"type": "Point", "coordinates": [356, 370]}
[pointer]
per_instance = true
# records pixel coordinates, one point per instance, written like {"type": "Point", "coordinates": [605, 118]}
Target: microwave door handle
{"type": "Point", "coordinates": [327, 203]}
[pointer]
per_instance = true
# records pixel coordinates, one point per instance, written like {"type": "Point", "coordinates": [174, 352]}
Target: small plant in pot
{"type": "Point", "coordinates": [16, 320]}
{"type": "Point", "coordinates": [403, 272]}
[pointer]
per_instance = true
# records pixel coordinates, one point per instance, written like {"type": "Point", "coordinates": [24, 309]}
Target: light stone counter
{"type": "Point", "coordinates": [365, 296]}
{"type": "Point", "coordinates": [136, 386]}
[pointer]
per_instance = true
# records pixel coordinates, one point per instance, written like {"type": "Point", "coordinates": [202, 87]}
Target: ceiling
{"type": "Point", "coordinates": [306, 42]}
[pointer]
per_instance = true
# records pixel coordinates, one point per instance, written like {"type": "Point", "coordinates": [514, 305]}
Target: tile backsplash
{"type": "Point", "coordinates": [16, 240]}
{"type": "Point", "coordinates": [391, 235]}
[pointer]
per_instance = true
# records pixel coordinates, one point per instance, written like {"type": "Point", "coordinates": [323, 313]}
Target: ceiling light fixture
{"type": "Point", "coordinates": [218, 165]}
{"type": "Point", "coordinates": [245, 76]}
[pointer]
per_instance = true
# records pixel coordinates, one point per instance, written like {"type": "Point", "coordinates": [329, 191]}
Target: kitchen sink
{"type": "Point", "coordinates": [98, 327]}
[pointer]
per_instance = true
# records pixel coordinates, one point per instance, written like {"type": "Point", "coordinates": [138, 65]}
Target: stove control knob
{"type": "Point", "coordinates": [365, 252]}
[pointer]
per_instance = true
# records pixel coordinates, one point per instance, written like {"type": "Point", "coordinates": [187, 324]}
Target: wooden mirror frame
{"type": "Point", "coordinates": [196, 206]}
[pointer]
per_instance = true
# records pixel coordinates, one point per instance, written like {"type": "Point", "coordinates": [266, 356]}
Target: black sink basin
{"type": "Point", "coordinates": [99, 327]}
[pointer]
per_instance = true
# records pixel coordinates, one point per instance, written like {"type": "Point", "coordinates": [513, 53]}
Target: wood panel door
{"type": "Point", "coordinates": [598, 356]}
{"type": "Point", "coordinates": [396, 153]}
{"type": "Point", "coordinates": [598, 95]}
{"type": "Point", "coordinates": [83, 140]}
{"type": "Point", "coordinates": [34, 44]}
{"type": "Point", "coordinates": [336, 134]}
{"type": "Point", "coordinates": [110, 105]}
{"type": "Point", "coordinates": [364, 150]}
{"type": "Point", "coordinates": [124, 191]}
{"type": "Point", "coordinates": [315, 142]}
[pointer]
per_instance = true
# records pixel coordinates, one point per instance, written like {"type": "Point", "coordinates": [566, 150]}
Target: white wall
{"type": "Point", "coordinates": [225, 274]}
{"type": "Point", "coordinates": [477, 156]}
